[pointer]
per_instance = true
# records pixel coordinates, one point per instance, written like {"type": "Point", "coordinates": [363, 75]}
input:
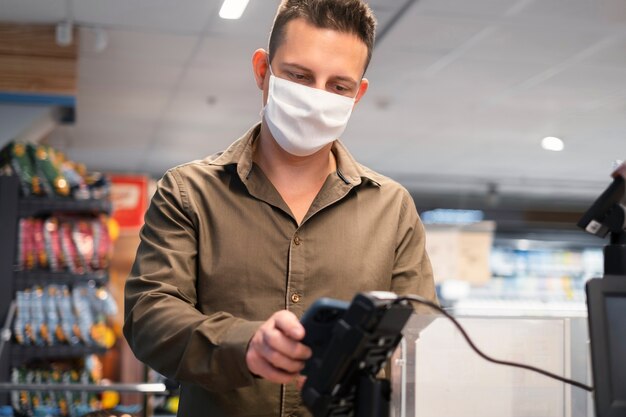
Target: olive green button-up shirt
{"type": "Point", "coordinates": [221, 252]}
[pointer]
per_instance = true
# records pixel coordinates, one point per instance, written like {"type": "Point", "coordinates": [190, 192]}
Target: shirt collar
{"type": "Point", "coordinates": [241, 153]}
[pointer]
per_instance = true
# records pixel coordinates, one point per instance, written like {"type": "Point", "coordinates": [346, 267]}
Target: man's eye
{"type": "Point", "coordinates": [343, 90]}
{"type": "Point", "coordinates": [298, 77]}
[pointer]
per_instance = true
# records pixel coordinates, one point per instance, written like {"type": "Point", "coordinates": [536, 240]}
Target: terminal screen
{"type": "Point", "coordinates": [616, 326]}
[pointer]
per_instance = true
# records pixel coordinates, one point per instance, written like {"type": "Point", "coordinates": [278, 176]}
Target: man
{"type": "Point", "coordinates": [235, 247]}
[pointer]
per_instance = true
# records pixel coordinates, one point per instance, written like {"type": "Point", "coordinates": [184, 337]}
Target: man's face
{"type": "Point", "coordinates": [320, 58]}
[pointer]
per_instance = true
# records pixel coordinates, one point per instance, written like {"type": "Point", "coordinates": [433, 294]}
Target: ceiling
{"type": "Point", "coordinates": [461, 92]}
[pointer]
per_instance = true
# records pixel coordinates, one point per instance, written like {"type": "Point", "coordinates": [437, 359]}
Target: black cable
{"type": "Point", "coordinates": [434, 306]}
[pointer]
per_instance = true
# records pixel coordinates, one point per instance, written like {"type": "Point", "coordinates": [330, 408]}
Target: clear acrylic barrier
{"type": "Point", "coordinates": [435, 373]}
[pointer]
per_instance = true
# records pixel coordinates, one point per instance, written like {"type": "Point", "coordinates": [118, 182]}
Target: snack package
{"type": "Point", "coordinates": [84, 315]}
{"type": "Point", "coordinates": [70, 253]}
{"type": "Point", "coordinates": [104, 301]}
{"type": "Point", "coordinates": [52, 181]}
{"type": "Point", "coordinates": [71, 397]}
{"type": "Point", "coordinates": [29, 331]}
{"type": "Point", "coordinates": [83, 237]}
{"type": "Point", "coordinates": [52, 316]}
{"type": "Point", "coordinates": [22, 317]}
{"type": "Point", "coordinates": [88, 398]}
{"type": "Point", "coordinates": [23, 328]}
{"type": "Point", "coordinates": [103, 306]}
{"type": "Point", "coordinates": [99, 185]}
{"type": "Point", "coordinates": [39, 244]}
{"type": "Point", "coordinates": [105, 250]}
{"type": "Point", "coordinates": [34, 397]}
{"type": "Point", "coordinates": [37, 396]}
{"type": "Point", "coordinates": [61, 185]}
{"type": "Point", "coordinates": [38, 322]}
{"type": "Point", "coordinates": [15, 156]}
{"type": "Point", "coordinates": [49, 397]}
{"type": "Point", "coordinates": [74, 174]}
{"type": "Point", "coordinates": [45, 411]}
{"type": "Point", "coordinates": [68, 320]}
{"type": "Point", "coordinates": [43, 171]}
{"type": "Point", "coordinates": [20, 400]}
{"type": "Point", "coordinates": [26, 254]}
{"type": "Point", "coordinates": [56, 377]}
{"type": "Point", "coordinates": [102, 243]}
{"type": "Point", "coordinates": [52, 241]}
{"type": "Point", "coordinates": [45, 188]}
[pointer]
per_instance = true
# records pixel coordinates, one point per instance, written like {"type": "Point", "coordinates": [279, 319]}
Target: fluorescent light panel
{"type": "Point", "coordinates": [233, 9]}
{"type": "Point", "coordinates": [552, 144]}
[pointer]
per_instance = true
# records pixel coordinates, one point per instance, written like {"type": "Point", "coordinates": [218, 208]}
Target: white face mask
{"type": "Point", "coordinates": [303, 119]}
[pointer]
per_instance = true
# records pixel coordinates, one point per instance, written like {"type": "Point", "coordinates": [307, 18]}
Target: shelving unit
{"type": "Point", "coordinates": [156, 388]}
{"type": "Point", "coordinates": [27, 279]}
{"type": "Point", "coordinates": [12, 208]}
{"type": "Point", "coordinates": [537, 276]}
{"type": "Point", "coordinates": [23, 354]}
{"type": "Point", "coordinates": [9, 191]}
{"type": "Point", "coordinates": [31, 206]}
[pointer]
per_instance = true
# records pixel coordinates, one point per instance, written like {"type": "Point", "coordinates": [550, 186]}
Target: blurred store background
{"type": "Point", "coordinates": [463, 95]}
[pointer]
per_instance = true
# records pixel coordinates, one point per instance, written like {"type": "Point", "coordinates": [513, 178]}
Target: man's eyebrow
{"type": "Point", "coordinates": [346, 79]}
{"type": "Point", "coordinates": [298, 66]}
{"type": "Point", "coordinates": [343, 78]}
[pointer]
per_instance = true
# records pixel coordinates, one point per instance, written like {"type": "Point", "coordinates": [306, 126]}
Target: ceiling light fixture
{"type": "Point", "coordinates": [65, 33]}
{"type": "Point", "coordinates": [551, 143]}
{"type": "Point", "coordinates": [64, 30]}
{"type": "Point", "coordinates": [233, 9]}
{"type": "Point", "coordinates": [101, 39]}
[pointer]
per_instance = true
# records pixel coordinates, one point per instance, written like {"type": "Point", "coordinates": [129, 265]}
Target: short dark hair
{"type": "Point", "coordinates": [348, 16]}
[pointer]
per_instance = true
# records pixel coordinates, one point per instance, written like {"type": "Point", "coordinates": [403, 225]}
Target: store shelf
{"type": "Point", "coordinates": [27, 279]}
{"type": "Point", "coordinates": [12, 208]}
{"type": "Point", "coordinates": [24, 353]}
{"type": "Point", "coordinates": [32, 206]}
{"type": "Point", "coordinates": [157, 388]}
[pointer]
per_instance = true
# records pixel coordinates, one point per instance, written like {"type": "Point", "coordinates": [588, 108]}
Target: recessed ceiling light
{"type": "Point", "coordinates": [552, 144]}
{"type": "Point", "coordinates": [233, 9]}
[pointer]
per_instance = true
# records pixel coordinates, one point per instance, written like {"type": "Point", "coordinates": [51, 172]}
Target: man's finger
{"type": "Point", "coordinates": [288, 323]}
{"type": "Point", "coordinates": [280, 360]}
{"type": "Point", "coordinates": [293, 349]}
{"type": "Point", "coordinates": [265, 370]}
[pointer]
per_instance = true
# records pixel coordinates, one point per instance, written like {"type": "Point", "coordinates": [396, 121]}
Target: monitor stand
{"type": "Point", "coordinates": [615, 255]}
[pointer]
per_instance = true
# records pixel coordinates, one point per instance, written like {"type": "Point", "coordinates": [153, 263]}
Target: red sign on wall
{"type": "Point", "coordinates": [129, 196]}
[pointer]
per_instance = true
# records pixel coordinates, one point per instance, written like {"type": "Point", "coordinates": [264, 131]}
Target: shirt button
{"type": "Point", "coordinates": [295, 298]}
{"type": "Point", "coordinates": [297, 240]}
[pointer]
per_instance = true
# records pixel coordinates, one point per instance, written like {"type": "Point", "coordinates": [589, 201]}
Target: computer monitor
{"type": "Point", "coordinates": [606, 305]}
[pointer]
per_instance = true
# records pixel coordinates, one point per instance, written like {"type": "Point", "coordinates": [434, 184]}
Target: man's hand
{"type": "Point", "coordinates": [275, 352]}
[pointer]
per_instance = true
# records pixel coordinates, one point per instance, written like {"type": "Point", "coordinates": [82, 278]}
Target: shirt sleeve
{"type": "Point", "coordinates": [163, 327]}
{"type": "Point", "coordinates": [412, 271]}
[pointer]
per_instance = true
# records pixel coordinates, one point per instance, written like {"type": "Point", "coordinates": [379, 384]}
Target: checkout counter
{"type": "Point", "coordinates": [435, 373]}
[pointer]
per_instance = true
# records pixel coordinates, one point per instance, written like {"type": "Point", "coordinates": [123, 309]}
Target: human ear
{"type": "Point", "coordinates": [362, 89]}
{"type": "Point", "coordinates": [259, 66]}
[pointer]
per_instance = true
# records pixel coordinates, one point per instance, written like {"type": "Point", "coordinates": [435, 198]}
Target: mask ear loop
{"type": "Point", "coordinates": [269, 64]}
